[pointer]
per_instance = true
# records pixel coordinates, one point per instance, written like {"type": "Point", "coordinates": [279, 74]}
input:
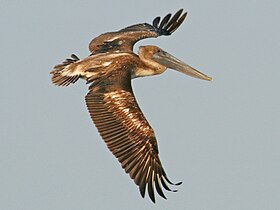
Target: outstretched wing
{"type": "Point", "coordinates": [124, 40]}
{"type": "Point", "coordinates": [128, 135]}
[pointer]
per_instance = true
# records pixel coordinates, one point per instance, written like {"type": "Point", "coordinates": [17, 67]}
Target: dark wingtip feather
{"type": "Point", "coordinates": [142, 189]}
{"type": "Point", "coordinates": [179, 183]}
{"type": "Point", "coordinates": [164, 21]}
{"type": "Point", "coordinates": [158, 187]}
{"type": "Point", "coordinates": [156, 22]}
{"type": "Point", "coordinates": [177, 23]}
{"type": "Point", "coordinates": [164, 184]}
{"type": "Point", "coordinates": [151, 183]}
{"type": "Point", "coordinates": [167, 26]}
{"type": "Point", "coordinates": [74, 57]}
{"type": "Point", "coordinates": [155, 179]}
{"type": "Point", "coordinates": [151, 190]}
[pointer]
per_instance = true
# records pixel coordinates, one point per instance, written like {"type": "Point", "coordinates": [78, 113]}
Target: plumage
{"type": "Point", "coordinates": [124, 39]}
{"type": "Point", "coordinates": [111, 102]}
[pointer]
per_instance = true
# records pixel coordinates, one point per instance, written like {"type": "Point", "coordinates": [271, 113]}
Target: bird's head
{"type": "Point", "coordinates": [158, 58]}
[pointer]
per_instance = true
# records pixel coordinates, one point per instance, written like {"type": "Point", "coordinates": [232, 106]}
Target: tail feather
{"type": "Point", "coordinates": [60, 80]}
{"type": "Point", "coordinates": [61, 76]}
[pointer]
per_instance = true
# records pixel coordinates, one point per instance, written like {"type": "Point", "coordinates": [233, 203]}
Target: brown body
{"type": "Point", "coordinates": [111, 102]}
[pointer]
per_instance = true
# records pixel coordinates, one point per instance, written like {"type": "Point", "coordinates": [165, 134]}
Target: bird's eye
{"type": "Point", "coordinates": [158, 51]}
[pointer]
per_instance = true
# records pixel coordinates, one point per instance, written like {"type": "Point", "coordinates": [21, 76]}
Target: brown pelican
{"type": "Point", "coordinates": [111, 102]}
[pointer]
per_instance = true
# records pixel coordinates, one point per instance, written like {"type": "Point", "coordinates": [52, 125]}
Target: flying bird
{"type": "Point", "coordinates": [111, 103]}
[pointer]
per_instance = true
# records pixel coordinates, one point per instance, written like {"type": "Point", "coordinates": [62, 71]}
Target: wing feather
{"type": "Point", "coordinates": [124, 39]}
{"type": "Point", "coordinates": [125, 130]}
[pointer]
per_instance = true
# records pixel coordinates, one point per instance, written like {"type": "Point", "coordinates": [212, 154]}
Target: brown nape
{"type": "Point", "coordinates": [151, 67]}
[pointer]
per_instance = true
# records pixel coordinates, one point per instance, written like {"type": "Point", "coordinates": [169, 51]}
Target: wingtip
{"type": "Point", "coordinates": [169, 23]}
{"type": "Point", "coordinates": [156, 22]}
{"type": "Point", "coordinates": [179, 183]}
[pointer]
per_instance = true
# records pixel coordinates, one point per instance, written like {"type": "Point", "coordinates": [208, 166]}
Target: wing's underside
{"type": "Point", "coordinates": [124, 39]}
{"type": "Point", "coordinates": [126, 132]}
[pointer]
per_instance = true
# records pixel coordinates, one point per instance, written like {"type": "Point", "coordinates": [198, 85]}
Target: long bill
{"type": "Point", "coordinates": [171, 62]}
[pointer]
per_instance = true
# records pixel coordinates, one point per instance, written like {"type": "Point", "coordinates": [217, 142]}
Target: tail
{"type": "Point", "coordinates": [62, 74]}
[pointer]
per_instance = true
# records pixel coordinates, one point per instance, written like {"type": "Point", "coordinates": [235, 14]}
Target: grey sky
{"type": "Point", "coordinates": [220, 138]}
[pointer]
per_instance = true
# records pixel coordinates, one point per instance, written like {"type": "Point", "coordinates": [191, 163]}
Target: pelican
{"type": "Point", "coordinates": [109, 70]}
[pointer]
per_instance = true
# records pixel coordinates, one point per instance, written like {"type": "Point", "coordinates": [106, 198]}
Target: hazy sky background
{"type": "Point", "coordinates": [220, 138]}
